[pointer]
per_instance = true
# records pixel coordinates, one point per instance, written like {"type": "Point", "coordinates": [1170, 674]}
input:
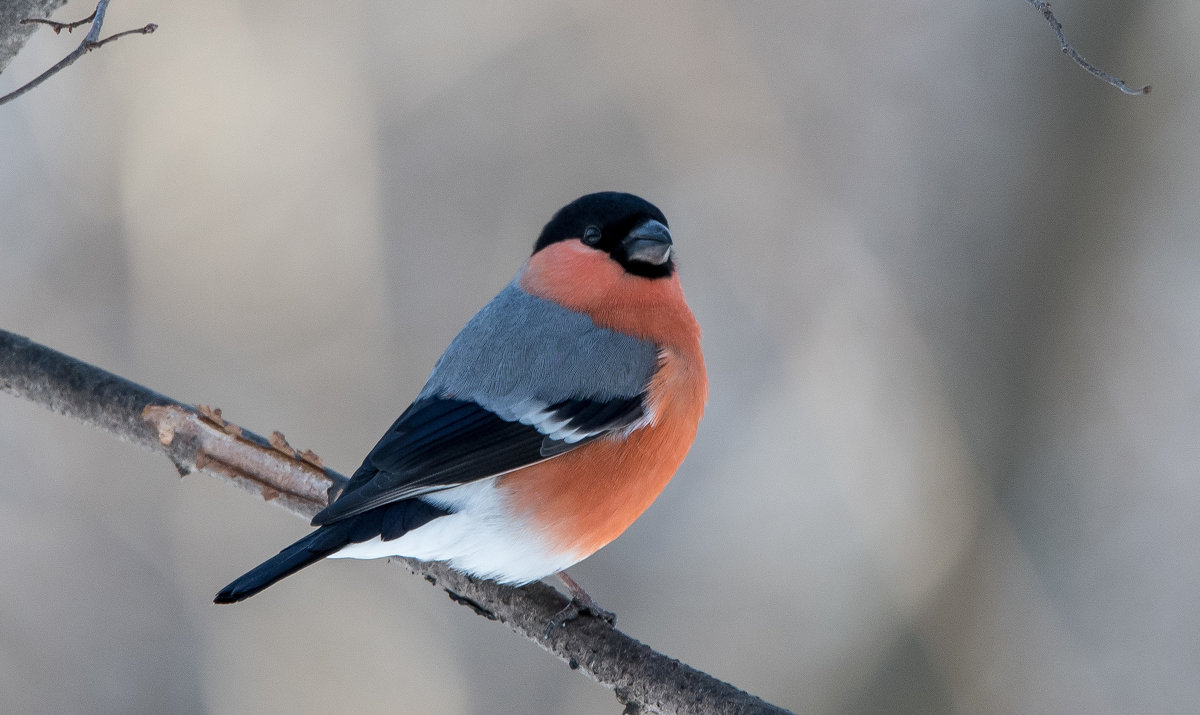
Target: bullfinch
{"type": "Point", "coordinates": [550, 423]}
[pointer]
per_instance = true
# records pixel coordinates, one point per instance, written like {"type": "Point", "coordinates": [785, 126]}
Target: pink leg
{"type": "Point", "coordinates": [580, 603]}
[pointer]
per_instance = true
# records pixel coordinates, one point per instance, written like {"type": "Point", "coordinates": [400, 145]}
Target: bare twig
{"type": "Point", "coordinates": [90, 42]}
{"type": "Point", "coordinates": [200, 439]}
{"type": "Point", "coordinates": [146, 29]}
{"type": "Point", "coordinates": [1044, 7]}
{"type": "Point", "coordinates": [59, 26]}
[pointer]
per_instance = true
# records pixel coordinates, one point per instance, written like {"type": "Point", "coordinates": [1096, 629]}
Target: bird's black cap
{"type": "Point", "coordinates": [619, 224]}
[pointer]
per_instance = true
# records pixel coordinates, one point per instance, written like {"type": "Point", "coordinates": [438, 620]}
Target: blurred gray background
{"type": "Point", "coordinates": [950, 287]}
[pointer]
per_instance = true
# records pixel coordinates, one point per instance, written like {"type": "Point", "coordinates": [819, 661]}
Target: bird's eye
{"type": "Point", "coordinates": [591, 235]}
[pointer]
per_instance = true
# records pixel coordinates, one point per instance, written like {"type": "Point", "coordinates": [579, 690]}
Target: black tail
{"type": "Point", "coordinates": [310, 549]}
{"type": "Point", "coordinates": [390, 521]}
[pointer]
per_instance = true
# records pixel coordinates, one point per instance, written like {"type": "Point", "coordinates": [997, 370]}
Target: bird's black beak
{"type": "Point", "coordinates": [649, 243]}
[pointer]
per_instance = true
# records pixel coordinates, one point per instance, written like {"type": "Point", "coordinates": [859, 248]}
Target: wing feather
{"type": "Point", "coordinates": [526, 380]}
{"type": "Point", "coordinates": [469, 443]}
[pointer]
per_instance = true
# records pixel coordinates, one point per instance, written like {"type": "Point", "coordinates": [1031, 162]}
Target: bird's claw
{"type": "Point", "coordinates": [576, 608]}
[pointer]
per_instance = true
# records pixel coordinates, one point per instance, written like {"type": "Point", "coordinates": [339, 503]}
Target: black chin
{"type": "Point", "coordinates": [647, 270]}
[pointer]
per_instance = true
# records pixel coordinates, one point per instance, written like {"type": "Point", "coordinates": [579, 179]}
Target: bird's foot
{"type": "Point", "coordinates": [581, 604]}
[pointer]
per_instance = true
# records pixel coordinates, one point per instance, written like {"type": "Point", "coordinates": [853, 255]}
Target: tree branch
{"type": "Point", "coordinates": [90, 42]}
{"type": "Point", "coordinates": [60, 26]}
{"type": "Point", "coordinates": [200, 439]}
{"type": "Point", "coordinates": [1044, 7]}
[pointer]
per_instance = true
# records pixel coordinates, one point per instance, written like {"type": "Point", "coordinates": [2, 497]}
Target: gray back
{"type": "Point", "coordinates": [521, 353]}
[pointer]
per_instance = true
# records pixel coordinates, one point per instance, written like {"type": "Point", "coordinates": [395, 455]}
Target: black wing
{"type": "Point", "coordinates": [441, 442]}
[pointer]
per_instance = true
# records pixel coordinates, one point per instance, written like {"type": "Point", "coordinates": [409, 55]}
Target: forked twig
{"type": "Point", "coordinates": [90, 42]}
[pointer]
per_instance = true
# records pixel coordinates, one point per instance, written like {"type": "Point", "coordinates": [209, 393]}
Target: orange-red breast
{"type": "Point", "coordinates": [547, 427]}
